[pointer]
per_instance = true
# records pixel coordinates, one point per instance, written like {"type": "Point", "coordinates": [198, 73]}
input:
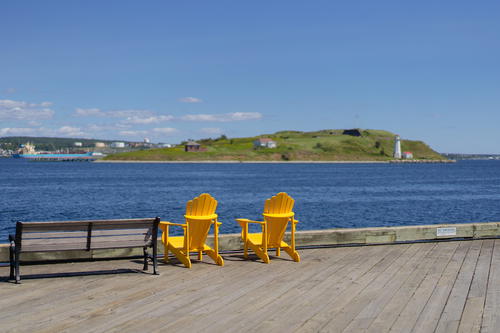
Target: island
{"type": "Point", "coordinates": [317, 146]}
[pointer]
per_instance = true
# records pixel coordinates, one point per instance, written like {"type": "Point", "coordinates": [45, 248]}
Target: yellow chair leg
{"type": "Point", "coordinates": [215, 256]}
{"type": "Point", "coordinates": [293, 254]}
{"type": "Point", "coordinates": [245, 251]}
{"type": "Point", "coordinates": [259, 252]}
{"type": "Point", "coordinates": [278, 252]}
{"type": "Point", "coordinates": [183, 258]}
{"type": "Point", "coordinates": [200, 255]}
{"type": "Point", "coordinates": [165, 253]}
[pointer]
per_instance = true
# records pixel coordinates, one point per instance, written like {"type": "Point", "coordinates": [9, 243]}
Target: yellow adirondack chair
{"type": "Point", "coordinates": [277, 213]}
{"type": "Point", "coordinates": [200, 215]}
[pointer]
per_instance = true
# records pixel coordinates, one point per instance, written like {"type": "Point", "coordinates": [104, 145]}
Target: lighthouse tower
{"type": "Point", "coordinates": [397, 147]}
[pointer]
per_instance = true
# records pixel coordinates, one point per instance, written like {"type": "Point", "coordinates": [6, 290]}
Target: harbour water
{"type": "Point", "coordinates": [327, 195]}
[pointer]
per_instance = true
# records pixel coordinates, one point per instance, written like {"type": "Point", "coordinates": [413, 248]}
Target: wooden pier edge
{"type": "Point", "coordinates": [327, 237]}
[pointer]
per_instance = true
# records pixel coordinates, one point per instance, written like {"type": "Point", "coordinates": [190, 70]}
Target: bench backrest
{"type": "Point", "coordinates": [86, 235]}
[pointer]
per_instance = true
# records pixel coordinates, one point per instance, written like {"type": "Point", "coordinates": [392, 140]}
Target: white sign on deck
{"type": "Point", "coordinates": [450, 231]}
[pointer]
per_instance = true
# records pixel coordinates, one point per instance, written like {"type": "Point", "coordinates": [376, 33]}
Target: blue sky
{"type": "Point", "coordinates": [170, 71]}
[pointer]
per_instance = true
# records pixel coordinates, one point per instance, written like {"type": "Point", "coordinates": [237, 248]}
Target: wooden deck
{"type": "Point", "coordinates": [422, 287]}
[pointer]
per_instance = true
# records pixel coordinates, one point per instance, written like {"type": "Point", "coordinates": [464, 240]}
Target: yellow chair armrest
{"type": "Point", "coordinates": [175, 224]}
{"type": "Point", "coordinates": [250, 221]}
{"type": "Point", "coordinates": [295, 221]}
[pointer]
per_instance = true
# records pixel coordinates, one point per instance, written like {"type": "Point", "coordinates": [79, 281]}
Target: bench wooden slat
{"type": "Point", "coordinates": [54, 247]}
{"type": "Point", "coordinates": [83, 246]}
{"type": "Point", "coordinates": [142, 225]}
{"type": "Point", "coordinates": [46, 235]}
{"type": "Point", "coordinates": [54, 241]}
{"type": "Point", "coordinates": [120, 221]}
{"type": "Point", "coordinates": [55, 228]}
{"type": "Point", "coordinates": [118, 244]}
{"type": "Point", "coordinates": [80, 227]}
{"type": "Point", "coordinates": [68, 234]}
{"type": "Point", "coordinates": [83, 225]}
{"type": "Point", "coordinates": [83, 240]}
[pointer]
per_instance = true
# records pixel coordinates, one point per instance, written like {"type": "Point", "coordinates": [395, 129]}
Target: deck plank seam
{"type": "Point", "coordinates": [393, 260]}
{"type": "Point", "coordinates": [435, 286]}
{"type": "Point", "coordinates": [438, 257]}
{"type": "Point", "coordinates": [488, 283]}
{"type": "Point", "coordinates": [401, 283]}
{"type": "Point", "coordinates": [472, 279]}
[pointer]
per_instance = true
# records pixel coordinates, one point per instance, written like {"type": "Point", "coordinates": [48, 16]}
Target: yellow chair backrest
{"type": "Point", "coordinates": [200, 213]}
{"type": "Point", "coordinates": [277, 213]}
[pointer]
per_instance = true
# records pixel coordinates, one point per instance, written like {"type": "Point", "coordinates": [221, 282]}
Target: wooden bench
{"type": "Point", "coordinates": [83, 235]}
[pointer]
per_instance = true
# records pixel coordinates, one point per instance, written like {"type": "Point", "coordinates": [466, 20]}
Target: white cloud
{"type": "Point", "coordinates": [89, 112]}
{"type": "Point", "coordinates": [165, 130]}
{"type": "Point", "coordinates": [211, 130]}
{"type": "Point", "coordinates": [114, 113]}
{"type": "Point", "coordinates": [190, 100]}
{"type": "Point", "coordinates": [133, 133]}
{"type": "Point", "coordinates": [236, 116]}
{"type": "Point", "coordinates": [158, 131]}
{"type": "Point", "coordinates": [99, 128]}
{"type": "Point", "coordinates": [70, 131]}
{"type": "Point", "coordinates": [19, 110]}
{"type": "Point", "coordinates": [200, 117]}
{"type": "Point", "coordinates": [17, 131]}
{"type": "Point", "coordinates": [225, 117]}
{"type": "Point", "coordinates": [147, 120]}
{"type": "Point", "coordinates": [129, 113]}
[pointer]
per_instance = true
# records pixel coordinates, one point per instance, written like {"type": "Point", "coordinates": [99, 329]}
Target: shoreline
{"type": "Point", "coordinates": [247, 162]}
{"type": "Point", "coordinates": [283, 162]}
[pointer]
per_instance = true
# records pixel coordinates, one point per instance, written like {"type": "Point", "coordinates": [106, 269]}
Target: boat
{"type": "Point", "coordinates": [27, 151]}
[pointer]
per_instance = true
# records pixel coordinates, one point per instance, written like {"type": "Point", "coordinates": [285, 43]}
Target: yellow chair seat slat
{"type": "Point", "coordinates": [256, 238]}
{"type": "Point", "coordinates": [178, 242]}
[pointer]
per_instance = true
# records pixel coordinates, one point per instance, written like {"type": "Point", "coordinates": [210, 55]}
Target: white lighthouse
{"type": "Point", "coordinates": [397, 147]}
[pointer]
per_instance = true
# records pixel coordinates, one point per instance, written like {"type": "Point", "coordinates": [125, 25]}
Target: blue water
{"type": "Point", "coordinates": [327, 195]}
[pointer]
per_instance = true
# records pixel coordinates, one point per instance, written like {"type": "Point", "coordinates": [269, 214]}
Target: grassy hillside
{"type": "Point", "coordinates": [325, 145]}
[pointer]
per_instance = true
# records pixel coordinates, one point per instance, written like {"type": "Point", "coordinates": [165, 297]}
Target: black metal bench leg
{"type": "Point", "coordinates": [155, 260]}
{"type": "Point", "coordinates": [145, 268]}
{"type": "Point", "coordinates": [18, 276]}
{"type": "Point", "coordinates": [11, 261]}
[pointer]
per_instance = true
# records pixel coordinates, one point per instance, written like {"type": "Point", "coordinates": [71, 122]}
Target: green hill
{"type": "Point", "coordinates": [324, 145]}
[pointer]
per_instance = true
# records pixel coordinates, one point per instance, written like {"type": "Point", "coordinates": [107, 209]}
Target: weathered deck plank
{"type": "Point", "coordinates": [421, 287]}
{"type": "Point", "coordinates": [474, 306]}
{"type": "Point", "coordinates": [491, 317]}
{"type": "Point", "coordinates": [450, 318]}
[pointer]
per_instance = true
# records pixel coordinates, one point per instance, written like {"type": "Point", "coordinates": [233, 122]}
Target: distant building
{"type": "Point", "coordinates": [118, 145]}
{"type": "Point", "coordinates": [146, 140]}
{"type": "Point", "coordinates": [100, 145]}
{"type": "Point", "coordinates": [164, 145]}
{"type": "Point", "coordinates": [192, 146]}
{"type": "Point", "coordinates": [78, 144]}
{"type": "Point", "coordinates": [408, 155]}
{"type": "Point", "coordinates": [352, 132]}
{"type": "Point", "coordinates": [397, 147]}
{"type": "Point", "coordinates": [264, 143]}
